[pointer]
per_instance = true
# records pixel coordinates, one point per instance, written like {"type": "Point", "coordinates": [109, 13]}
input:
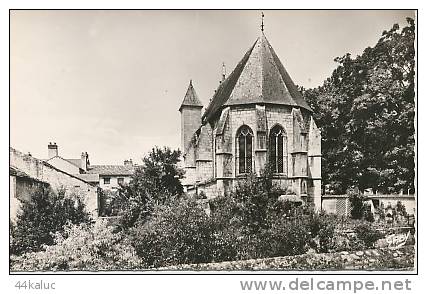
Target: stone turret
{"type": "Point", "coordinates": [191, 112]}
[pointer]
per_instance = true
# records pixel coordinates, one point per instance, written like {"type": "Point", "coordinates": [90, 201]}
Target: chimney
{"type": "Point", "coordinates": [84, 161]}
{"type": "Point", "coordinates": [52, 150]}
{"type": "Point", "coordinates": [128, 162]}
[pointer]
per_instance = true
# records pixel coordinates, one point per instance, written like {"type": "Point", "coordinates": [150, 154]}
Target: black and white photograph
{"type": "Point", "coordinates": [213, 142]}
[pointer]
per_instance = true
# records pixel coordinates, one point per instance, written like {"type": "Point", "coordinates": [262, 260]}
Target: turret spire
{"type": "Point", "coordinates": [191, 99]}
{"type": "Point", "coordinates": [262, 21]}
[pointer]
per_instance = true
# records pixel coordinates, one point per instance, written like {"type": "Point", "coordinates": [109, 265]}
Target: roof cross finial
{"type": "Point", "coordinates": [262, 21]}
{"type": "Point", "coordinates": [224, 73]}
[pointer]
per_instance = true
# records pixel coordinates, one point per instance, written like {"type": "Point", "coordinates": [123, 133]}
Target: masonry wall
{"type": "Point", "coordinates": [204, 154]}
{"type": "Point", "coordinates": [14, 202]}
{"type": "Point", "coordinates": [20, 190]}
{"type": "Point", "coordinates": [340, 204]}
{"type": "Point", "coordinates": [260, 119]}
{"type": "Point", "coordinates": [114, 181]}
{"type": "Point", "coordinates": [55, 178]}
{"type": "Point", "coordinates": [190, 122]}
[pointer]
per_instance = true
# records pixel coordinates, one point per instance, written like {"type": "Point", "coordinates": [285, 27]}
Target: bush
{"type": "Point", "coordinates": [357, 206]}
{"type": "Point", "coordinates": [326, 238]}
{"type": "Point", "coordinates": [175, 234]}
{"type": "Point", "coordinates": [258, 225]}
{"type": "Point", "coordinates": [44, 214]}
{"type": "Point", "coordinates": [287, 238]}
{"type": "Point", "coordinates": [368, 235]}
{"type": "Point", "coordinates": [81, 247]}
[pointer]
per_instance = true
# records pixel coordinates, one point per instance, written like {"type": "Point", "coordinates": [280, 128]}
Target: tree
{"type": "Point", "coordinates": [155, 182]}
{"type": "Point", "coordinates": [161, 173]}
{"type": "Point", "coordinates": [44, 214]}
{"type": "Point", "coordinates": [366, 112]}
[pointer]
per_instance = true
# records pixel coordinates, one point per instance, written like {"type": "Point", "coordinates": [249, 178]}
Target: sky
{"type": "Point", "coordinates": [111, 82]}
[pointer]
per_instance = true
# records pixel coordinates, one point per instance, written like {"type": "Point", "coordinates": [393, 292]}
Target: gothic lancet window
{"type": "Point", "coordinates": [244, 139]}
{"type": "Point", "coordinates": [278, 149]}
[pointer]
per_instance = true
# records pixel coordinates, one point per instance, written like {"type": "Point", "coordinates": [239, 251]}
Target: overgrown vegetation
{"type": "Point", "coordinates": [81, 247]}
{"type": "Point", "coordinates": [250, 223]}
{"type": "Point", "coordinates": [45, 213]}
{"type": "Point", "coordinates": [153, 183]}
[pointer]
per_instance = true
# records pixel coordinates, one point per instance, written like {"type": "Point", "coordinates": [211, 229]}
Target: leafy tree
{"type": "Point", "coordinates": [44, 214]}
{"type": "Point", "coordinates": [161, 173]}
{"type": "Point", "coordinates": [365, 111]}
{"type": "Point", "coordinates": [155, 182]}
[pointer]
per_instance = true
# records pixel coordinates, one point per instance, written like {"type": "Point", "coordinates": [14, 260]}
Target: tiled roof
{"type": "Point", "coordinates": [191, 98]}
{"type": "Point", "coordinates": [120, 170]}
{"type": "Point", "coordinates": [77, 162]}
{"type": "Point", "coordinates": [259, 77]}
{"type": "Point", "coordinates": [91, 178]}
{"type": "Point", "coordinates": [14, 171]}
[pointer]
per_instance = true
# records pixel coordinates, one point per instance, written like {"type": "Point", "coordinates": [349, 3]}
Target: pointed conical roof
{"type": "Point", "coordinates": [191, 98]}
{"type": "Point", "coordinates": [259, 78]}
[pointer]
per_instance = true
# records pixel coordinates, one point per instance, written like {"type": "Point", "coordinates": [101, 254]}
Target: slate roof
{"type": "Point", "coordinates": [259, 78]}
{"type": "Point", "coordinates": [191, 98]}
{"type": "Point", "coordinates": [113, 170]}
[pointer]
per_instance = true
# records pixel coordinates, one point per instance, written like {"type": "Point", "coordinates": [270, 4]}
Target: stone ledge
{"type": "Point", "coordinates": [380, 259]}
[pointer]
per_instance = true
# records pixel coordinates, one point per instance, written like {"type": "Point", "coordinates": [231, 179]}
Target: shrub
{"type": "Point", "coordinates": [45, 213]}
{"type": "Point", "coordinates": [368, 235]}
{"type": "Point", "coordinates": [175, 234]}
{"type": "Point", "coordinates": [81, 247]}
{"type": "Point", "coordinates": [287, 238]}
{"type": "Point", "coordinates": [326, 238]}
{"type": "Point", "coordinates": [356, 202]}
{"type": "Point", "coordinates": [400, 209]}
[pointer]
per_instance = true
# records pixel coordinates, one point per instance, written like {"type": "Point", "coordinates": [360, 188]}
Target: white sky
{"type": "Point", "coordinates": [111, 82]}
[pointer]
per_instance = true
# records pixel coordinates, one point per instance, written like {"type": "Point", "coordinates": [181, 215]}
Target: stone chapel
{"type": "Point", "coordinates": [256, 116]}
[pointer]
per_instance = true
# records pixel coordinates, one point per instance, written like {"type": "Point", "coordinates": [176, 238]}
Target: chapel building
{"type": "Point", "coordinates": [256, 116]}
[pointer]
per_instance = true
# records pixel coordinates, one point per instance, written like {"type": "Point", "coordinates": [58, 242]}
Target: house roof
{"type": "Point", "coordinates": [259, 78]}
{"type": "Point", "coordinates": [14, 171]}
{"type": "Point", "coordinates": [191, 98]}
{"type": "Point", "coordinates": [112, 170]}
{"type": "Point", "coordinates": [91, 178]}
{"type": "Point", "coordinates": [76, 162]}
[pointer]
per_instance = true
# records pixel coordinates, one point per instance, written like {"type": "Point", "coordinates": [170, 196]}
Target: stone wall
{"type": "Point", "coordinates": [214, 147]}
{"type": "Point", "coordinates": [56, 178]}
{"type": "Point", "coordinates": [381, 259]}
{"type": "Point", "coordinates": [340, 204]}
{"type": "Point", "coordinates": [190, 122]}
